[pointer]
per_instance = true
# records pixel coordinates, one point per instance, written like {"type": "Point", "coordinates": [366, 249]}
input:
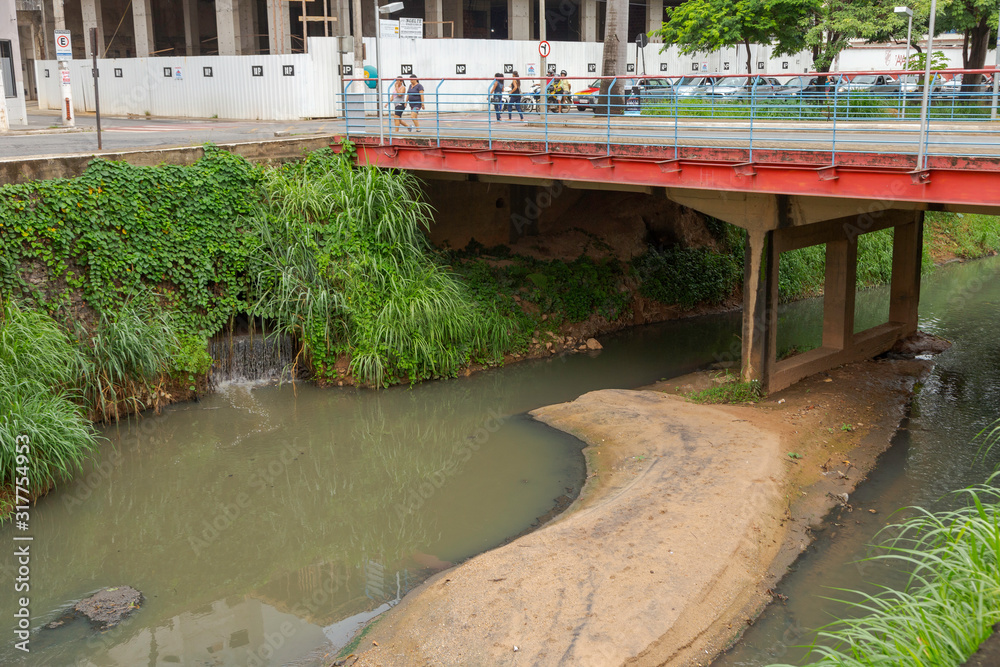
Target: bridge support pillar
{"type": "Point", "coordinates": [760, 301]}
{"type": "Point", "coordinates": [840, 344]}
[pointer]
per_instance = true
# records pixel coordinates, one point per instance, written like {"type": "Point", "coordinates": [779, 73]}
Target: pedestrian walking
{"type": "Point", "coordinates": [397, 98]}
{"type": "Point", "coordinates": [415, 95]}
{"type": "Point", "coordinates": [496, 94]}
{"type": "Point", "coordinates": [514, 101]}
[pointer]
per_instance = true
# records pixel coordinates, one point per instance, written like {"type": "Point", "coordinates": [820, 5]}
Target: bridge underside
{"type": "Point", "coordinates": [784, 200]}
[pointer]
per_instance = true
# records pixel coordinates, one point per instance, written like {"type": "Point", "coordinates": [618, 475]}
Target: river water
{"type": "Point", "coordinates": [265, 523]}
{"type": "Point", "coordinates": [930, 457]}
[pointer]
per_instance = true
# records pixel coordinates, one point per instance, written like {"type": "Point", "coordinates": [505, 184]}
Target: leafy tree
{"type": "Point", "coordinates": [708, 25]}
{"type": "Point", "coordinates": [835, 22]}
{"type": "Point", "coordinates": [975, 20]}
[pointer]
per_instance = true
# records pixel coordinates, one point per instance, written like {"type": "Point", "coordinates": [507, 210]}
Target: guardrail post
{"type": "Point", "coordinates": [437, 111]}
{"type": "Point", "coordinates": [608, 100]}
{"type": "Point", "coordinates": [833, 145]}
{"type": "Point", "coordinates": [753, 112]}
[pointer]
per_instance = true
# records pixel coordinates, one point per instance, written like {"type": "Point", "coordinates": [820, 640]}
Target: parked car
{"type": "Point", "coordinates": [587, 98]}
{"type": "Point", "coordinates": [648, 90]}
{"type": "Point", "coordinates": [692, 86]}
{"type": "Point", "coordinates": [742, 86]}
{"type": "Point", "coordinates": [805, 87]}
{"type": "Point", "coordinates": [952, 88]}
{"type": "Point", "coordinates": [866, 83]}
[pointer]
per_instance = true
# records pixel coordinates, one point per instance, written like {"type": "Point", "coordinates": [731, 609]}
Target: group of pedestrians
{"type": "Point", "coordinates": [513, 96]}
{"type": "Point", "coordinates": [400, 96]}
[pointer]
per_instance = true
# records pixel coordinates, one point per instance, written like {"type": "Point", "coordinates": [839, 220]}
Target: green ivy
{"type": "Point", "coordinates": [118, 227]}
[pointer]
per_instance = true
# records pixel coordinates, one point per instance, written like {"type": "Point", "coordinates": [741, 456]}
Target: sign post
{"type": "Point", "coordinates": [97, 91]}
{"type": "Point", "coordinates": [64, 53]}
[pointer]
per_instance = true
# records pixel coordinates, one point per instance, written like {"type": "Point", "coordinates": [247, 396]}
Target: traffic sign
{"type": "Point", "coordinates": [544, 49]}
{"type": "Point", "coordinates": [64, 45]}
{"type": "Point", "coordinates": [642, 40]}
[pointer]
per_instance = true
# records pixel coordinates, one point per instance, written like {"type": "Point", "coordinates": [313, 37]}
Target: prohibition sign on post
{"type": "Point", "coordinates": [544, 49]}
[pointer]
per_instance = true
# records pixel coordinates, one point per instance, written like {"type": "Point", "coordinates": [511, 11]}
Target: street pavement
{"type": "Point", "coordinates": [43, 134]}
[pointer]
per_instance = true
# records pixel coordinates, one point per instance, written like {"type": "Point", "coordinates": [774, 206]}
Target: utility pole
{"type": "Point", "coordinates": [922, 148]}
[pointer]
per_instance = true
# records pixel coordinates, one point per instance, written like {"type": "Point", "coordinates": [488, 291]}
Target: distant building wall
{"type": "Point", "coordinates": [10, 65]}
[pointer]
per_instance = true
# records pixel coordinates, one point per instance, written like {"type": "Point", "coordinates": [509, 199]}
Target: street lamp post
{"type": "Point", "coordinates": [921, 150]}
{"type": "Point", "coordinates": [909, 33]}
{"type": "Point", "coordinates": [906, 58]}
{"type": "Point", "coordinates": [385, 9]}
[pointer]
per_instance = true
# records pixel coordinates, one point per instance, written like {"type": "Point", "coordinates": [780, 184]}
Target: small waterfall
{"type": "Point", "coordinates": [250, 357]}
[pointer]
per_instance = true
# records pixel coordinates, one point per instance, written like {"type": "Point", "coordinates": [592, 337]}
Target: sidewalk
{"type": "Point", "coordinates": [43, 121]}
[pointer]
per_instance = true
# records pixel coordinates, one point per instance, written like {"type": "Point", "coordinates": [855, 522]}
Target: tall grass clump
{"type": "Point", "coordinates": [951, 600]}
{"type": "Point", "coordinates": [127, 352]}
{"type": "Point", "coordinates": [343, 264]}
{"type": "Point", "coordinates": [38, 368]}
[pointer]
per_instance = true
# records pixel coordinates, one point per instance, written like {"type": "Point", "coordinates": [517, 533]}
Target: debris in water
{"type": "Point", "coordinates": [109, 606]}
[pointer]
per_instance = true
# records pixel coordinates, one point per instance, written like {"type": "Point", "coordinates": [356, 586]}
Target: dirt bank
{"type": "Point", "coordinates": [689, 515]}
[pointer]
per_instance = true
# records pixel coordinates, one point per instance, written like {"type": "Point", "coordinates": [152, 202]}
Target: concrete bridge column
{"type": "Point", "coordinates": [760, 305]}
{"type": "Point", "coordinates": [588, 20]}
{"type": "Point", "coordinates": [93, 17]}
{"type": "Point", "coordinates": [518, 19]}
{"type": "Point", "coordinates": [142, 21]}
{"type": "Point", "coordinates": [907, 253]}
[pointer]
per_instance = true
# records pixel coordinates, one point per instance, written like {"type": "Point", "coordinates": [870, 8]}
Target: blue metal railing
{"type": "Point", "coordinates": [831, 112]}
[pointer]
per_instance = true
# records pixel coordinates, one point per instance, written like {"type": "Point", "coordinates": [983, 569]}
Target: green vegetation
{"type": "Point", "coordinates": [962, 235]}
{"type": "Point", "coordinates": [341, 263]}
{"type": "Point", "coordinates": [951, 600]}
{"type": "Point", "coordinates": [565, 291]}
{"type": "Point", "coordinates": [39, 366]}
{"type": "Point", "coordinates": [732, 390]}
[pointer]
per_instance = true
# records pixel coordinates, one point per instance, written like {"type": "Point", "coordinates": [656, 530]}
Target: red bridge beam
{"type": "Point", "coordinates": [889, 177]}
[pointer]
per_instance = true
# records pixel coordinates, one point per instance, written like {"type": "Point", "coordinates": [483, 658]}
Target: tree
{"type": "Point", "coordinates": [615, 54]}
{"type": "Point", "coordinates": [836, 22]}
{"type": "Point", "coordinates": [708, 25]}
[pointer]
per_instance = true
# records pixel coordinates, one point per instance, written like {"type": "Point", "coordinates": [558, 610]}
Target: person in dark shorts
{"type": "Point", "coordinates": [514, 101]}
{"type": "Point", "coordinates": [397, 98]}
{"type": "Point", "coordinates": [415, 97]}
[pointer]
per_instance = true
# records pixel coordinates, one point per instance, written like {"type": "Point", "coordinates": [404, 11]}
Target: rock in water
{"type": "Point", "coordinates": [592, 344]}
{"type": "Point", "coordinates": [109, 606]}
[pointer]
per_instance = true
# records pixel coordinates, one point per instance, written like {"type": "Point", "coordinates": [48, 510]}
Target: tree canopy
{"type": "Point", "coordinates": [708, 25]}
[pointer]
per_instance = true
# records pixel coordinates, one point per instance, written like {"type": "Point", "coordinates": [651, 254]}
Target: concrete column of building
{"type": "Point", "coordinates": [227, 22]}
{"type": "Point", "coordinates": [588, 20]}
{"type": "Point", "coordinates": [907, 246]}
{"type": "Point", "coordinates": [343, 24]}
{"type": "Point", "coordinates": [192, 28]}
{"type": "Point", "coordinates": [58, 15]}
{"type": "Point", "coordinates": [654, 17]}
{"type": "Point", "coordinates": [433, 15]}
{"type": "Point", "coordinates": [454, 10]}
{"type": "Point", "coordinates": [247, 27]}
{"type": "Point", "coordinates": [839, 292]}
{"type": "Point", "coordinates": [760, 304]}
{"type": "Point", "coordinates": [93, 17]}
{"type": "Point", "coordinates": [519, 19]}
{"type": "Point", "coordinates": [279, 29]}
{"type": "Point", "coordinates": [142, 19]}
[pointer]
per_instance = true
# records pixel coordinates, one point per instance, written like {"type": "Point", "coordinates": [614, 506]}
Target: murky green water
{"type": "Point", "coordinates": [261, 524]}
{"type": "Point", "coordinates": [264, 524]}
{"type": "Point", "coordinates": [930, 457]}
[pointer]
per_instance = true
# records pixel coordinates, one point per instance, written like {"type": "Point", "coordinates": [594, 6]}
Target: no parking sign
{"type": "Point", "coordinates": [64, 45]}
